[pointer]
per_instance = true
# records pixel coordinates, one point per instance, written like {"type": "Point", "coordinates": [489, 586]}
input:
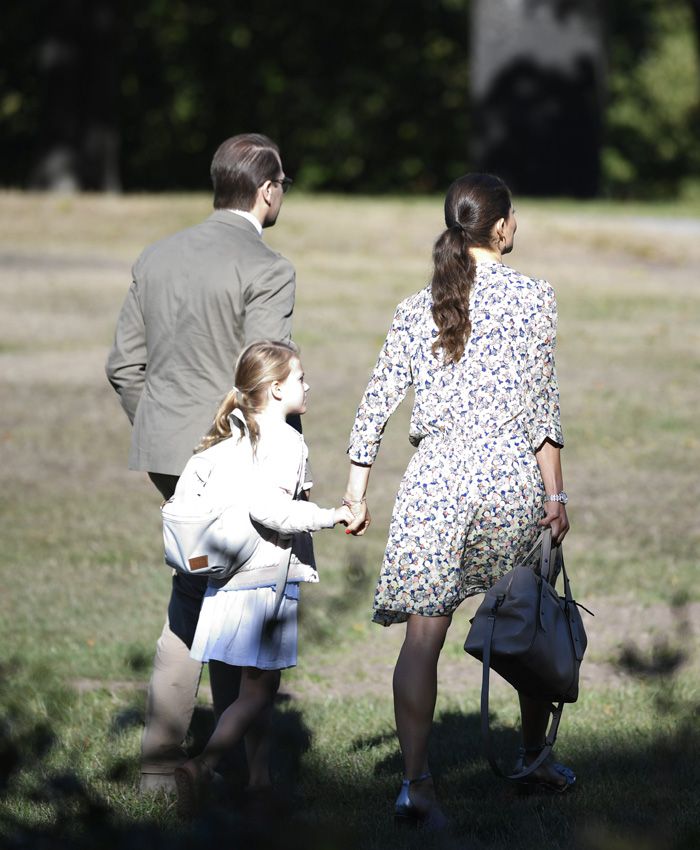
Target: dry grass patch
{"type": "Point", "coordinates": [84, 588]}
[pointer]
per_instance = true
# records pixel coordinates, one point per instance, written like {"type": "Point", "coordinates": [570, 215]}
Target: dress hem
{"type": "Point", "coordinates": [390, 617]}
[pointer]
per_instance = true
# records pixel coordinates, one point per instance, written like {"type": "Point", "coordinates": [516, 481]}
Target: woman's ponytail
{"type": "Point", "coordinates": [453, 275]}
{"type": "Point", "coordinates": [473, 205]}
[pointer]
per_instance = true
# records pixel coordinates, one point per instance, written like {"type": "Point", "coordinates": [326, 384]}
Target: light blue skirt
{"type": "Point", "coordinates": [237, 627]}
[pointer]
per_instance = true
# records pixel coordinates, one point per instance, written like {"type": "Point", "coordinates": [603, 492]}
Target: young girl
{"type": "Point", "coordinates": [241, 622]}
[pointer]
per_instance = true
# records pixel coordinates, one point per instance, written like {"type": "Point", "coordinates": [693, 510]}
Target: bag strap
{"type": "Point", "coordinates": [535, 546]}
{"type": "Point", "coordinates": [546, 560]}
{"type": "Point", "coordinates": [555, 710]}
{"type": "Point", "coordinates": [283, 568]}
{"type": "Point", "coordinates": [281, 582]}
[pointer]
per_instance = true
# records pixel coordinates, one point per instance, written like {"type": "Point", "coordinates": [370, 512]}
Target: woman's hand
{"type": "Point", "coordinates": [360, 518]}
{"type": "Point", "coordinates": [358, 478]}
{"type": "Point", "coordinates": [343, 515]}
{"type": "Point", "coordinates": [549, 461]}
{"type": "Point", "coordinates": [556, 519]}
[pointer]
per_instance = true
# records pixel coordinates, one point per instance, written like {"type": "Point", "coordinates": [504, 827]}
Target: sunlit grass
{"type": "Point", "coordinates": [84, 587]}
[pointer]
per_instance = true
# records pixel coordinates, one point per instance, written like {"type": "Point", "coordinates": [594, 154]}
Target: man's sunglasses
{"type": "Point", "coordinates": [285, 183]}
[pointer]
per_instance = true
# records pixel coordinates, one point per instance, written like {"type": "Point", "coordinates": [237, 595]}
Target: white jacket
{"type": "Point", "coordinates": [269, 483]}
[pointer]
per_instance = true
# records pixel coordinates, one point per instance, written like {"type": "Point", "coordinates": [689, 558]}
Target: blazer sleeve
{"type": "Point", "coordinates": [544, 420]}
{"type": "Point", "coordinates": [126, 362]}
{"type": "Point", "coordinates": [389, 383]}
{"type": "Point", "coordinates": [269, 303]}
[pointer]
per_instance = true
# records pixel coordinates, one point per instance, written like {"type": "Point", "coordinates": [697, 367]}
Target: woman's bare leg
{"type": "Point", "coordinates": [415, 689]}
{"type": "Point", "coordinates": [534, 718]}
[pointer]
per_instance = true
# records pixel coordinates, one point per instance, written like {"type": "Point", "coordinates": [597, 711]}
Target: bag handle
{"type": "Point", "coordinates": [551, 564]}
{"type": "Point", "coordinates": [546, 567]}
{"type": "Point", "coordinates": [555, 710]}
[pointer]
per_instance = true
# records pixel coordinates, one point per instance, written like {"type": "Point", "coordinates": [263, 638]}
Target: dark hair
{"type": "Point", "coordinates": [258, 366]}
{"type": "Point", "coordinates": [240, 166]}
{"type": "Point", "coordinates": [473, 205]}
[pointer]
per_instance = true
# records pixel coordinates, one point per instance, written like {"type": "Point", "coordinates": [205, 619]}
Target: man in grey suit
{"type": "Point", "coordinates": [197, 298]}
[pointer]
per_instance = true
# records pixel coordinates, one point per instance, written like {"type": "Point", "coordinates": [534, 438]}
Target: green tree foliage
{"type": "Point", "coordinates": [19, 96]}
{"type": "Point", "coordinates": [373, 97]}
{"type": "Point", "coordinates": [368, 98]}
{"type": "Point", "coordinates": [653, 117]}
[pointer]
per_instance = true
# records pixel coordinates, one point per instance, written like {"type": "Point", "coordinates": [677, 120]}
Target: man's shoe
{"type": "Point", "coordinates": [157, 783]}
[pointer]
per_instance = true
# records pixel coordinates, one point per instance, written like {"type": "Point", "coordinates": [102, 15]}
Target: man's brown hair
{"type": "Point", "coordinates": [240, 166]}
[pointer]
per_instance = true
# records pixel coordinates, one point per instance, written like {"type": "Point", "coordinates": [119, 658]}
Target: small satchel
{"type": "Point", "coordinates": [214, 543]}
{"type": "Point", "coordinates": [532, 637]}
{"type": "Point", "coordinates": [205, 537]}
{"type": "Point", "coordinates": [206, 529]}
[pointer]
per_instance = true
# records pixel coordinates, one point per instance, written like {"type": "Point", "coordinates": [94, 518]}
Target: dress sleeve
{"type": "Point", "coordinates": [389, 383]}
{"type": "Point", "coordinates": [274, 482]}
{"type": "Point", "coordinates": [543, 403]}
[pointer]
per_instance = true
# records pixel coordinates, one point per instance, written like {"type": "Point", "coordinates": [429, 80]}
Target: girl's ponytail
{"type": "Point", "coordinates": [258, 366]}
{"type": "Point", "coordinates": [221, 428]}
{"type": "Point", "coordinates": [248, 409]}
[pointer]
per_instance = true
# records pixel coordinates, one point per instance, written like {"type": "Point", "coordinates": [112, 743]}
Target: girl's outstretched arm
{"type": "Point", "coordinates": [271, 491]}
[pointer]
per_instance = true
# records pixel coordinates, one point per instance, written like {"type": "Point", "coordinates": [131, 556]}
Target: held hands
{"type": "Point", "coordinates": [555, 517]}
{"type": "Point", "coordinates": [342, 515]}
{"type": "Point", "coordinates": [360, 517]}
{"type": "Point", "coordinates": [354, 515]}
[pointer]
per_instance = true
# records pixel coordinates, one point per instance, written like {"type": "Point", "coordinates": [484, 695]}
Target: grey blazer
{"type": "Point", "coordinates": [196, 300]}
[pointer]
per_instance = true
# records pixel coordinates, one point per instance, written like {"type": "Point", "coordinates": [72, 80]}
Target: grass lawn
{"type": "Point", "coordinates": [84, 591]}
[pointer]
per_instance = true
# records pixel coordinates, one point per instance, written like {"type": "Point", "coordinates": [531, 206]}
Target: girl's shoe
{"type": "Point", "coordinates": [191, 780]}
{"type": "Point", "coordinates": [408, 813]}
{"type": "Point", "coordinates": [550, 776]}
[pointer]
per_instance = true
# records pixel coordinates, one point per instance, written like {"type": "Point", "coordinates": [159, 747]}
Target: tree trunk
{"type": "Point", "coordinates": [537, 79]}
{"type": "Point", "coordinates": [100, 131]}
{"type": "Point", "coordinates": [695, 9]}
{"type": "Point", "coordinates": [78, 144]}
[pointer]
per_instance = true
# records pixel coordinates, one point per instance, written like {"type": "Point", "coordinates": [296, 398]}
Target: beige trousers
{"type": "Point", "coordinates": [172, 691]}
{"type": "Point", "coordinates": [172, 694]}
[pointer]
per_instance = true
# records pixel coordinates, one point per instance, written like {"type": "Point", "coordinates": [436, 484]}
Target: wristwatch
{"type": "Point", "coordinates": [557, 497]}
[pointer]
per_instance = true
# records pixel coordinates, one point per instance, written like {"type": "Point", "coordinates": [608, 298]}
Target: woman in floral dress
{"type": "Point", "coordinates": [477, 346]}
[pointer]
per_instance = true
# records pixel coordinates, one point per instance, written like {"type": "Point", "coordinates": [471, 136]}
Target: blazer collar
{"type": "Point", "coordinates": [233, 220]}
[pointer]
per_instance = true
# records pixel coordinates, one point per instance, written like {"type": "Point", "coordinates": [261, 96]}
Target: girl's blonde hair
{"type": "Point", "coordinates": [258, 366]}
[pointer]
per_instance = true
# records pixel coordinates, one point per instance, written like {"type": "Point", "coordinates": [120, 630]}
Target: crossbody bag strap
{"type": "Point", "coordinates": [283, 568]}
{"type": "Point", "coordinates": [281, 581]}
{"type": "Point", "coordinates": [555, 711]}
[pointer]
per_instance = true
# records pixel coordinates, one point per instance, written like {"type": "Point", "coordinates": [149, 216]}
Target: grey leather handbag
{"type": "Point", "coordinates": [532, 637]}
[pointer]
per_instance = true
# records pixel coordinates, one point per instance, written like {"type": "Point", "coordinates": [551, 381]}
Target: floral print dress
{"type": "Point", "coordinates": [469, 502]}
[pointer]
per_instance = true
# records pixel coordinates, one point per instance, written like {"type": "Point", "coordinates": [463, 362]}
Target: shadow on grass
{"type": "Point", "coordinates": [321, 624]}
{"type": "Point", "coordinates": [632, 792]}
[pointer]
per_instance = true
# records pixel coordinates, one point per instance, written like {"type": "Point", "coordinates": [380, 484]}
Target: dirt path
{"type": "Point", "coordinates": [647, 635]}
